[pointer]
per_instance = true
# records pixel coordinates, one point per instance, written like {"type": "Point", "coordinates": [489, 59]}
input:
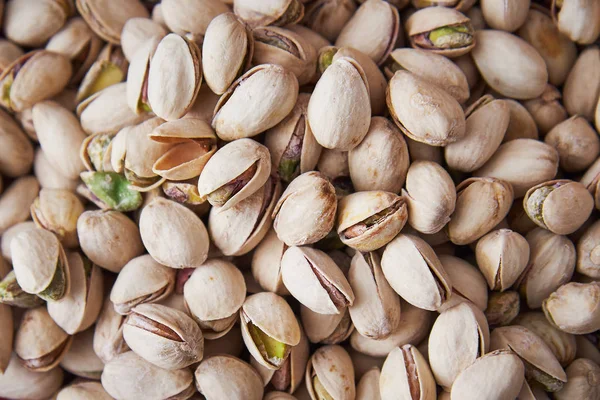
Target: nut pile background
{"type": "Point", "coordinates": [300, 199]}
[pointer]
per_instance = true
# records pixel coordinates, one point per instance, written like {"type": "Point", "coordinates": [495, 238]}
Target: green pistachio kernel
{"type": "Point", "coordinates": [12, 294]}
{"type": "Point", "coordinates": [320, 390]}
{"type": "Point", "coordinates": [96, 149]}
{"type": "Point", "coordinates": [112, 190]}
{"type": "Point", "coordinates": [57, 287]}
{"type": "Point", "coordinates": [451, 37]}
{"type": "Point", "coordinates": [273, 350]}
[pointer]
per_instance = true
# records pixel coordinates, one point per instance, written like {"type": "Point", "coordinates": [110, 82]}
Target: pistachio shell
{"type": "Point", "coordinates": [81, 360]}
{"type": "Point", "coordinates": [83, 391]}
{"type": "Point", "coordinates": [107, 17]}
{"type": "Point", "coordinates": [587, 261]}
{"type": "Point", "coordinates": [108, 333]}
{"type": "Point", "coordinates": [582, 86]}
{"type": "Point", "coordinates": [506, 15]}
{"type": "Point", "coordinates": [331, 367]}
{"type": "Point", "coordinates": [31, 23]}
{"type": "Point", "coordinates": [574, 308]}
{"type": "Point", "coordinates": [368, 386]}
{"type": "Point", "coordinates": [16, 201]}
{"type": "Point", "coordinates": [7, 331]}
{"type": "Point", "coordinates": [466, 279]}
{"type": "Point", "coordinates": [406, 373]}
{"type": "Point", "coordinates": [269, 12]}
{"type": "Point", "coordinates": [16, 156]}
{"type": "Point", "coordinates": [19, 382]}
{"type": "Point", "coordinates": [577, 143]}
{"type": "Point", "coordinates": [328, 18]}
{"type": "Point", "coordinates": [228, 377]}
{"type": "Point", "coordinates": [582, 379]}
{"type": "Point", "coordinates": [191, 18]}
{"type": "Point", "coordinates": [577, 19]}
{"type": "Point", "coordinates": [110, 68]}
{"type": "Point", "coordinates": [546, 110]}
{"type": "Point", "coordinates": [48, 176]}
{"type": "Point", "coordinates": [326, 328]}
{"type": "Point", "coordinates": [266, 263]}
{"type": "Point", "coordinates": [136, 32]}
{"type": "Point", "coordinates": [58, 211]}
{"type": "Point", "coordinates": [521, 124]}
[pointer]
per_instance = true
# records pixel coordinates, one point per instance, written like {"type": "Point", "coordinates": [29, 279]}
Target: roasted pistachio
{"type": "Point", "coordinates": [506, 15]}
{"type": "Point", "coordinates": [107, 17]}
{"type": "Point", "coordinates": [20, 382]}
{"type": "Point", "coordinates": [502, 308]}
{"type": "Point", "coordinates": [330, 374]}
{"type": "Point", "coordinates": [582, 381]}
{"type": "Point", "coordinates": [333, 164]}
{"type": "Point", "coordinates": [521, 124]}
{"type": "Point", "coordinates": [83, 391]}
{"type": "Point", "coordinates": [582, 87]}
{"type": "Point", "coordinates": [577, 19]}
{"type": "Point", "coordinates": [16, 156]}
{"type": "Point", "coordinates": [328, 17]}
{"type": "Point", "coordinates": [80, 359]}
{"type": "Point", "coordinates": [266, 263]}
{"type": "Point", "coordinates": [58, 211]}
{"type": "Point", "coordinates": [136, 32]}
{"type": "Point", "coordinates": [108, 333]}
{"type": "Point", "coordinates": [16, 201]}
{"type": "Point", "coordinates": [406, 373]}
{"type": "Point", "coordinates": [467, 282]}
{"type": "Point", "coordinates": [577, 143]}
{"type": "Point", "coordinates": [7, 331]}
{"type": "Point", "coordinates": [110, 190]}
{"type": "Point", "coordinates": [326, 328]}
{"type": "Point", "coordinates": [587, 249]}
{"type": "Point", "coordinates": [228, 377]}
{"type": "Point", "coordinates": [269, 12]}
{"type": "Point", "coordinates": [12, 294]}
{"type": "Point", "coordinates": [546, 109]}
{"type": "Point", "coordinates": [31, 23]}
{"type": "Point", "coordinates": [574, 308]}
{"type": "Point", "coordinates": [189, 18]}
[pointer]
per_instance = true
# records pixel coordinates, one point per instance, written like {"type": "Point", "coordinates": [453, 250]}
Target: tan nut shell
{"type": "Point", "coordinates": [582, 379]}
{"type": "Point", "coordinates": [574, 308]}
{"type": "Point", "coordinates": [7, 331]}
{"type": "Point", "coordinates": [57, 211]}
{"type": "Point", "coordinates": [265, 12]}
{"type": "Point", "coordinates": [83, 391]}
{"type": "Point", "coordinates": [587, 251]}
{"type": "Point", "coordinates": [521, 124]}
{"type": "Point", "coordinates": [506, 15]}
{"type": "Point", "coordinates": [16, 156]}
{"type": "Point", "coordinates": [19, 382]}
{"type": "Point", "coordinates": [16, 201]}
{"type": "Point", "coordinates": [578, 20]}
{"type": "Point", "coordinates": [582, 87]}
{"type": "Point", "coordinates": [368, 386]}
{"type": "Point", "coordinates": [326, 328]}
{"type": "Point", "coordinates": [577, 143]}
{"type": "Point", "coordinates": [81, 360]}
{"type": "Point", "coordinates": [108, 333]}
{"type": "Point", "coordinates": [466, 279]}
{"type": "Point", "coordinates": [48, 176]}
{"type": "Point", "coordinates": [138, 31]}
{"type": "Point", "coordinates": [266, 263]}
{"type": "Point", "coordinates": [228, 377]}
{"type": "Point", "coordinates": [333, 367]}
{"type": "Point", "coordinates": [190, 18]}
{"type": "Point", "coordinates": [107, 17]}
{"type": "Point", "coordinates": [405, 373]}
{"type": "Point", "coordinates": [31, 23]}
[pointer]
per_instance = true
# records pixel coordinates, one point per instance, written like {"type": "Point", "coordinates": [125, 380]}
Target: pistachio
{"type": "Point", "coordinates": [502, 308]}
{"type": "Point", "coordinates": [546, 110]}
{"type": "Point", "coordinates": [107, 17]}
{"type": "Point", "coordinates": [521, 124]}
{"type": "Point", "coordinates": [16, 201]}
{"type": "Point", "coordinates": [574, 308]}
{"type": "Point", "coordinates": [406, 373]}
{"type": "Point", "coordinates": [328, 17]}
{"type": "Point", "coordinates": [315, 39]}
{"type": "Point", "coordinates": [582, 87]}
{"type": "Point", "coordinates": [228, 377]}
{"type": "Point", "coordinates": [269, 12]}
{"type": "Point", "coordinates": [110, 190]}
{"type": "Point", "coordinates": [16, 156]}
{"type": "Point", "coordinates": [506, 15]}
{"type": "Point", "coordinates": [138, 31]}
{"type": "Point", "coordinates": [58, 211]}
{"type": "Point", "coordinates": [190, 18]}
{"type": "Point", "coordinates": [8, 236]}
{"type": "Point", "coordinates": [330, 374]}
{"type": "Point", "coordinates": [577, 143]}
{"type": "Point", "coordinates": [586, 252]}
{"type": "Point", "coordinates": [20, 382]}
{"type": "Point", "coordinates": [83, 391]}
{"type": "Point", "coordinates": [108, 339]}
{"type": "Point", "coordinates": [266, 263]}
{"type": "Point", "coordinates": [12, 294]}
{"type": "Point", "coordinates": [80, 359]}
{"type": "Point", "coordinates": [577, 19]}
{"type": "Point", "coordinates": [110, 68]}
{"type": "Point", "coordinates": [590, 180]}
{"type": "Point", "coordinates": [467, 281]}
{"type": "Point", "coordinates": [460, 5]}
{"type": "Point", "coordinates": [326, 328]}
{"type": "Point", "coordinates": [7, 331]}
{"type": "Point", "coordinates": [9, 52]}
{"type": "Point", "coordinates": [333, 164]}
{"type": "Point", "coordinates": [368, 386]}
{"type": "Point", "coordinates": [95, 152]}
{"type": "Point", "coordinates": [582, 381]}
{"type": "Point", "coordinates": [48, 176]}
{"type": "Point", "coordinates": [31, 23]}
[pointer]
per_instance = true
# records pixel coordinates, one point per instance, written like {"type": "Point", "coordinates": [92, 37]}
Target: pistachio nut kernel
{"type": "Point", "coordinates": [13, 295]}
{"type": "Point", "coordinates": [446, 37]}
{"type": "Point", "coordinates": [330, 374]}
{"type": "Point", "coordinates": [95, 152]}
{"type": "Point", "coordinates": [110, 68]}
{"type": "Point", "coordinates": [183, 193]}
{"type": "Point", "coordinates": [219, 197]}
{"type": "Point", "coordinates": [109, 190]}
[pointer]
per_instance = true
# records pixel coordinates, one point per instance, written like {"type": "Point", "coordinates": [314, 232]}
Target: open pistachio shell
{"type": "Point", "coordinates": [326, 328]}
{"type": "Point", "coordinates": [108, 333]}
{"type": "Point", "coordinates": [138, 31]}
{"type": "Point", "coordinates": [330, 374]}
{"type": "Point", "coordinates": [80, 359]}
{"type": "Point", "coordinates": [137, 77]}
{"type": "Point", "coordinates": [269, 12]}
{"type": "Point", "coordinates": [95, 151]}
{"type": "Point", "coordinates": [16, 201]}
{"type": "Point", "coordinates": [227, 377]}
{"type": "Point", "coordinates": [406, 373]}
{"type": "Point", "coordinates": [577, 19]}
{"type": "Point", "coordinates": [11, 294]}
{"type": "Point", "coordinates": [110, 68]}
{"type": "Point", "coordinates": [189, 18]}
{"type": "Point", "coordinates": [58, 211]}
{"type": "Point", "coordinates": [107, 17]}
{"type": "Point", "coordinates": [574, 308]}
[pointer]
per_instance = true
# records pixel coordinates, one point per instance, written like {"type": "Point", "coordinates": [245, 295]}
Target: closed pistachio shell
{"type": "Point", "coordinates": [8, 236]}
{"type": "Point", "coordinates": [577, 143]}
{"type": "Point", "coordinates": [368, 386]}
{"type": "Point", "coordinates": [266, 263]}
{"type": "Point", "coordinates": [590, 180]}
{"type": "Point", "coordinates": [333, 164]}
{"type": "Point", "coordinates": [328, 18]}
{"type": "Point", "coordinates": [406, 374]}
{"type": "Point", "coordinates": [506, 15]}
{"type": "Point", "coordinates": [49, 176]}
{"type": "Point", "coordinates": [317, 40]}
{"type": "Point", "coordinates": [466, 279]}
{"type": "Point", "coordinates": [521, 124]}
{"type": "Point", "coordinates": [136, 32]}
{"type": "Point", "coordinates": [582, 87]}
{"type": "Point", "coordinates": [423, 111]}
{"type": "Point", "coordinates": [326, 328]}
{"type": "Point", "coordinates": [502, 308]}
{"type": "Point", "coordinates": [228, 377]}
{"type": "Point", "coordinates": [16, 156]}
{"type": "Point", "coordinates": [107, 17]}
{"type": "Point", "coordinates": [58, 211]}
{"type": "Point", "coordinates": [278, 396]}
{"type": "Point", "coordinates": [81, 360]}
{"type": "Point", "coordinates": [16, 201]}
{"type": "Point", "coordinates": [510, 65]}
{"type": "Point", "coordinates": [9, 52]}
{"type": "Point", "coordinates": [19, 382]}
{"type": "Point", "coordinates": [30, 23]}
{"type": "Point", "coordinates": [577, 19]}
{"type": "Point", "coordinates": [83, 391]}
{"type": "Point", "coordinates": [269, 12]}
{"type": "Point", "coordinates": [582, 381]}
{"type": "Point", "coordinates": [587, 251]}
{"type": "Point", "coordinates": [546, 109]}
{"type": "Point", "coordinates": [108, 333]}
{"type": "Point", "coordinates": [574, 308]}
{"type": "Point", "coordinates": [330, 373]}
{"type": "Point", "coordinates": [191, 18]}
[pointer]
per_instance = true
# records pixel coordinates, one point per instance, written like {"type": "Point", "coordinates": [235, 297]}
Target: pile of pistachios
{"type": "Point", "coordinates": [300, 199]}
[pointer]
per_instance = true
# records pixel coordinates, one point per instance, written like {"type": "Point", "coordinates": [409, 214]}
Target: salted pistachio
{"type": "Point", "coordinates": [541, 366]}
{"type": "Point", "coordinates": [214, 303]}
{"type": "Point", "coordinates": [109, 191]}
{"type": "Point", "coordinates": [275, 91]}
{"type": "Point", "coordinates": [340, 122]}
{"type": "Point", "coordinates": [441, 30]}
{"type": "Point", "coordinates": [89, 390]}
{"type": "Point", "coordinates": [266, 263]}
{"type": "Point", "coordinates": [367, 221]}
{"type": "Point", "coordinates": [521, 124]}
{"type": "Point", "coordinates": [577, 143]}
{"type": "Point", "coordinates": [587, 347]}
{"type": "Point", "coordinates": [109, 68]}
{"type": "Point", "coordinates": [317, 40]}
{"type": "Point", "coordinates": [108, 339]}
{"type": "Point", "coordinates": [423, 111]}
{"type": "Point", "coordinates": [523, 163]}
{"type": "Point", "coordinates": [430, 196]}
{"type": "Point", "coordinates": [80, 359]}
{"type": "Point", "coordinates": [415, 273]}
{"type": "Point", "coordinates": [7, 331]}
{"type": "Point", "coordinates": [574, 308]}
{"type": "Point", "coordinates": [128, 376]}
{"type": "Point", "coordinates": [16, 156]}
{"type": "Point", "coordinates": [291, 143]}
{"type": "Point", "coordinates": [333, 164]}
{"type": "Point", "coordinates": [226, 51]}
{"type": "Point", "coordinates": [546, 109]}
{"type": "Point", "coordinates": [18, 382]}
{"type": "Point", "coordinates": [19, 81]}
{"type": "Point", "coordinates": [459, 336]}
{"type": "Point", "coordinates": [40, 344]}
{"type": "Point", "coordinates": [467, 282]}
{"type": "Point", "coordinates": [576, 19]}
{"type": "Point", "coordinates": [582, 381]}
{"type": "Point", "coordinates": [227, 377]}
{"type": "Point", "coordinates": [31, 23]}
{"type": "Point", "coordinates": [12, 294]}
{"type": "Point", "coordinates": [138, 31]}
{"type": "Point", "coordinates": [381, 23]}
{"type": "Point", "coordinates": [16, 201]}
{"type": "Point", "coordinates": [306, 211]}
{"type": "Point", "coordinates": [58, 211]}
{"type": "Point", "coordinates": [587, 252]}
{"type": "Point", "coordinates": [406, 373]}
{"type": "Point", "coordinates": [95, 151]}
{"type": "Point", "coordinates": [502, 308]}
{"type": "Point", "coordinates": [380, 161]}
{"type": "Point", "coordinates": [269, 12]}
{"type": "Point", "coordinates": [326, 328]}
{"type": "Point", "coordinates": [502, 255]}
{"type": "Point", "coordinates": [330, 374]}
{"type": "Point", "coordinates": [328, 17]}
{"type": "Point", "coordinates": [189, 18]}
{"type": "Point", "coordinates": [562, 344]}
{"type": "Point", "coordinates": [481, 203]}
{"type": "Point", "coordinates": [154, 282]}
{"type": "Point", "coordinates": [107, 17]}
{"type": "Point", "coordinates": [582, 87]}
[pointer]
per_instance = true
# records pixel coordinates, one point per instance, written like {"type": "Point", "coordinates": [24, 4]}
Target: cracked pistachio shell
{"type": "Point", "coordinates": [466, 280]}
{"type": "Point", "coordinates": [239, 229]}
{"type": "Point", "coordinates": [191, 18]}
{"type": "Point", "coordinates": [95, 152]}
{"type": "Point", "coordinates": [16, 156]}
{"type": "Point", "coordinates": [266, 263]}
{"type": "Point", "coordinates": [481, 203]}
{"type": "Point", "coordinates": [339, 110]}
{"type": "Point", "coordinates": [7, 332]}
{"type": "Point", "coordinates": [137, 77]}
{"type": "Point", "coordinates": [18, 382]}
{"type": "Point", "coordinates": [423, 111]}
{"type": "Point", "coordinates": [486, 124]}
{"type": "Point", "coordinates": [7, 237]}
{"type": "Point", "coordinates": [373, 30]}
{"type": "Point", "coordinates": [48, 176]}
{"type": "Point", "coordinates": [80, 359]}
{"type": "Point", "coordinates": [275, 91]}
{"type": "Point", "coordinates": [107, 17]}
{"type": "Point", "coordinates": [83, 391]}
{"type": "Point", "coordinates": [502, 308]}
{"type": "Point", "coordinates": [368, 387]}
{"type": "Point", "coordinates": [546, 110]}
{"type": "Point", "coordinates": [430, 196]}
{"type": "Point", "coordinates": [40, 264]}
{"type": "Point", "coordinates": [523, 163]}
{"type": "Point", "coordinates": [369, 220]}
{"type": "Point", "coordinates": [165, 224]}
{"type": "Point", "coordinates": [30, 23]}
{"type": "Point", "coordinates": [588, 251]}
{"type": "Point", "coordinates": [269, 12]}
{"type": "Point", "coordinates": [375, 312]}
{"type": "Point", "coordinates": [380, 161]}
{"type": "Point", "coordinates": [577, 143]}
{"type": "Point", "coordinates": [459, 336]}
{"type": "Point", "coordinates": [79, 309]}
{"type": "Point", "coordinates": [136, 32]}
{"type": "Point", "coordinates": [582, 381]}
{"type": "Point", "coordinates": [193, 141]}
{"type": "Point", "coordinates": [574, 308]}
{"type": "Point", "coordinates": [521, 124]}
{"type": "Point", "coordinates": [441, 30]}
{"type": "Point", "coordinates": [431, 67]}
{"type": "Point", "coordinates": [502, 255]}
{"type": "Point", "coordinates": [315, 280]}
{"type": "Point", "coordinates": [163, 336]}
{"type": "Point", "coordinates": [509, 64]}
{"type": "Point", "coordinates": [128, 376]}
{"type": "Point", "coordinates": [16, 201]}
{"type": "Point", "coordinates": [228, 377]}
{"type": "Point", "coordinates": [545, 205]}
{"type": "Point", "coordinates": [142, 280]}
{"type": "Point", "coordinates": [108, 69]}
{"type": "Point", "coordinates": [326, 328]}
{"type": "Point", "coordinates": [579, 20]}
{"type": "Point", "coordinates": [506, 15]}
{"type": "Point", "coordinates": [541, 366]}
{"type": "Point", "coordinates": [328, 17]}
{"type": "Point", "coordinates": [60, 136]}
{"type": "Point", "coordinates": [333, 164]}
{"type": "Point", "coordinates": [330, 374]}
{"type": "Point", "coordinates": [57, 211]}
{"type": "Point", "coordinates": [406, 374]}
{"type": "Point", "coordinates": [291, 143]}
{"type": "Point", "coordinates": [582, 87]}
{"type": "Point", "coordinates": [220, 179]}
{"type": "Point", "coordinates": [226, 51]}
{"type": "Point", "coordinates": [108, 333]}
{"type": "Point", "coordinates": [214, 294]}
{"type": "Point", "coordinates": [414, 271]}
{"type": "Point", "coordinates": [269, 329]}
{"type": "Point", "coordinates": [306, 211]}
{"type": "Point", "coordinates": [40, 344]}
{"type": "Point", "coordinates": [562, 344]}
{"type": "Point", "coordinates": [12, 294]}
{"type": "Point", "coordinates": [498, 375]}
{"type": "Point", "coordinates": [551, 264]}
{"type": "Point", "coordinates": [415, 324]}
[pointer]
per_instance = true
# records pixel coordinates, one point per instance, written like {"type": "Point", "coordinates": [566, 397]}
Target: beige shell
{"type": "Point", "coordinates": [16, 201]}
{"type": "Point", "coordinates": [142, 280]}
{"type": "Point", "coordinates": [108, 333]}
{"type": "Point", "coordinates": [329, 18]}
{"type": "Point", "coordinates": [332, 366]}
{"type": "Point", "coordinates": [326, 328]}
{"type": "Point", "coordinates": [582, 87]}
{"type": "Point", "coordinates": [81, 360]}
{"type": "Point", "coordinates": [107, 17]}
{"type": "Point", "coordinates": [506, 15]}
{"type": "Point", "coordinates": [31, 23]}
{"type": "Point", "coordinates": [358, 207]}
{"type": "Point", "coordinates": [138, 31]}
{"type": "Point", "coordinates": [9, 52]}
{"type": "Point", "coordinates": [266, 263]}
{"type": "Point", "coordinates": [190, 18]}
{"type": "Point", "coordinates": [547, 110]}
{"type": "Point", "coordinates": [574, 308]}
{"type": "Point", "coordinates": [137, 76]}
{"type": "Point", "coordinates": [19, 382]}
{"type": "Point", "coordinates": [269, 12]}
{"type": "Point", "coordinates": [406, 373]}
{"type": "Point", "coordinates": [577, 143]}
{"type": "Point", "coordinates": [315, 280]}
{"type": "Point", "coordinates": [8, 236]}
{"type": "Point", "coordinates": [228, 377]}
{"type": "Point", "coordinates": [16, 156]}
{"type": "Point", "coordinates": [58, 211]}
{"type": "Point", "coordinates": [48, 176]}
{"type": "Point", "coordinates": [466, 279]}
{"type": "Point", "coordinates": [109, 68]}
{"type": "Point", "coordinates": [582, 376]}
{"type": "Point", "coordinates": [314, 38]}
{"type": "Point", "coordinates": [423, 111]}
{"type": "Point", "coordinates": [587, 251]}
{"type": "Point", "coordinates": [521, 124]}
{"type": "Point", "coordinates": [83, 391]}
{"type": "Point", "coordinates": [368, 385]}
{"type": "Point", "coordinates": [577, 19]}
